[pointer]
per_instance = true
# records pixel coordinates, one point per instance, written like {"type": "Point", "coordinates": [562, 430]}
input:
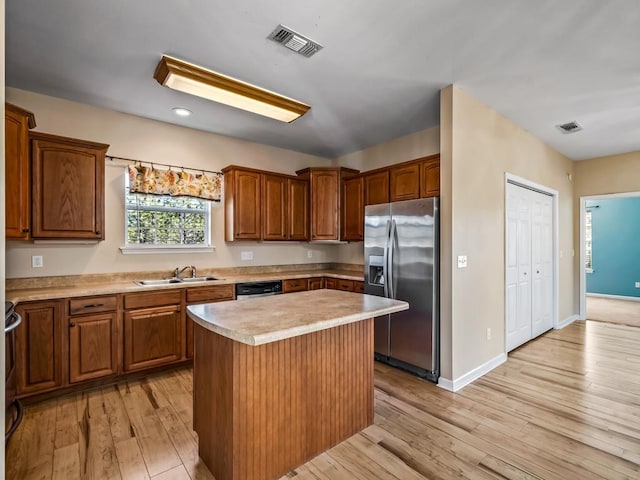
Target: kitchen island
{"type": "Point", "coordinates": [280, 379]}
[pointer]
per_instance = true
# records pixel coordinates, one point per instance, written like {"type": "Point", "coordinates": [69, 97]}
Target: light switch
{"type": "Point", "coordinates": [246, 255]}
{"type": "Point", "coordinates": [462, 261]}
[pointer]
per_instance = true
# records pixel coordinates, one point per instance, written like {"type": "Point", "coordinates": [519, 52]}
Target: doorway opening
{"type": "Point", "coordinates": [610, 258]}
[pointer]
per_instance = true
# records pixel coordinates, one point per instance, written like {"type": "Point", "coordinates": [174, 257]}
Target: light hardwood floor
{"type": "Point", "coordinates": [611, 310]}
{"type": "Point", "coordinates": [564, 406]}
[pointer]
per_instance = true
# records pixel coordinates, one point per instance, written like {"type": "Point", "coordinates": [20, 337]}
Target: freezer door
{"type": "Point", "coordinates": [413, 333]}
{"type": "Point", "coordinates": [377, 222]}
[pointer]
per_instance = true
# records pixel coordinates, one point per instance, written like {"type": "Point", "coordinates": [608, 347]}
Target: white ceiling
{"type": "Point", "coordinates": [539, 63]}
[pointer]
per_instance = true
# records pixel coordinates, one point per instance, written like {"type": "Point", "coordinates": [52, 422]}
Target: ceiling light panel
{"type": "Point", "coordinates": [199, 81]}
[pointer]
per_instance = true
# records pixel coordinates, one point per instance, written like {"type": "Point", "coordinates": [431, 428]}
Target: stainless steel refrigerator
{"type": "Point", "coordinates": [401, 261]}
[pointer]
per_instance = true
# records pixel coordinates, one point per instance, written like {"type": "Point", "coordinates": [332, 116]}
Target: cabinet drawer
{"type": "Point", "coordinates": [210, 294]}
{"type": "Point", "coordinates": [152, 299]}
{"type": "Point", "coordinates": [80, 306]}
{"type": "Point", "coordinates": [295, 285]}
{"type": "Point", "coordinates": [358, 287]}
{"type": "Point", "coordinates": [346, 285]}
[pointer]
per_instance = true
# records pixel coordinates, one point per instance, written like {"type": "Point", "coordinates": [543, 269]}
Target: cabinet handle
{"type": "Point", "coordinates": [93, 305]}
{"type": "Point", "coordinates": [72, 324]}
{"type": "Point", "coordinates": [25, 230]}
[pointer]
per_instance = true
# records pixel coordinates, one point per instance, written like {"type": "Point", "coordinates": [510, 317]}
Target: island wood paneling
{"type": "Point", "coordinates": [261, 411]}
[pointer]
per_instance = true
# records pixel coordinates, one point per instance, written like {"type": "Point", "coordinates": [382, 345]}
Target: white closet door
{"type": "Point", "coordinates": [529, 265]}
{"type": "Point", "coordinates": [542, 263]}
{"type": "Point", "coordinates": [518, 266]}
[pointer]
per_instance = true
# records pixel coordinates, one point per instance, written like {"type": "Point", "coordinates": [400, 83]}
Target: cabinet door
{"type": "Point", "coordinates": [331, 283]}
{"type": "Point", "coordinates": [92, 347]}
{"type": "Point", "coordinates": [430, 179]}
{"type": "Point", "coordinates": [376, 188]}
{"type": "Point", "coordinates": [39, 347]}
{"type": "Point", "coordinates": [17, 172]}
{"type": "Point", "coordinates": [316, 283]}
{"type": "Point", "coordinates": [298, 227]}
{"type": "Point", "coordinates": [324, 205]}
{"type": "Point", "coordinates": [405, 184]}
{"type": "Point", "coordinates": [152, 337]}
{"type": "Point", "coordinates": [68, 188]}
{"type": "Point", "coordinates": [274, 207]}
{"type": "Point", "coordinates": [352, 209]}
{"type": "Point", "coordinates": [246, 205]}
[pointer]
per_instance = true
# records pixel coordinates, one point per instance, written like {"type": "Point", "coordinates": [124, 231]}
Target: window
{"type": "Point", "coordinates": [588, 243]}
{"type": "Point", "coordinates": [162, 222]}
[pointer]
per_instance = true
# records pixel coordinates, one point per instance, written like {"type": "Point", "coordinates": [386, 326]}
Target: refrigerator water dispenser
{"type": "Point", "coordinates": [376, 270]}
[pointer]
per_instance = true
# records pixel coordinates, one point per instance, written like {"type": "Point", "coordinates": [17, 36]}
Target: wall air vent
{"type": "Point", "coordinates": [294, 41]}
{"type": "Point", "coordinates": [570, 127]}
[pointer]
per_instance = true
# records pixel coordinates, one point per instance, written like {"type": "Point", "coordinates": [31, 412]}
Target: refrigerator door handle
{"type": "Point", "coordinates": [392, 241]}
{"type": "Point", "coordinates": [385, 260]}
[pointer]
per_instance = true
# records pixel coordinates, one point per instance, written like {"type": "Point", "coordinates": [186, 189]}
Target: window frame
{"type": "Point", "coordinates": [135, 248]}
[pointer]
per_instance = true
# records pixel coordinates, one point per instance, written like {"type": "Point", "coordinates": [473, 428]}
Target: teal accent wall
{"type": "Point", "coordinates": [616, 246]}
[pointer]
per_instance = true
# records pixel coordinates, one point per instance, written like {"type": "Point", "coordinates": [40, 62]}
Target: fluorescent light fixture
{"type": "Point", "coordinates": [181, 112]}
{"type": "Point", "coordinates": [195, 80]}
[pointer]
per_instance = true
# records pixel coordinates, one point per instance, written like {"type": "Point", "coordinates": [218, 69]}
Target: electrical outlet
{"type": "Point", "coordinates": [462, 261]}
{"type": "Point", "coordinates": [37, 261]}
{"type": "Point", "coordinates": [637, 284]}
{"type": "Point", "coordinates": [309, 254]}
{"type": "Point", "coordinates": [246, 255]}
{"type": "Point", "coordinates": [488, 334]}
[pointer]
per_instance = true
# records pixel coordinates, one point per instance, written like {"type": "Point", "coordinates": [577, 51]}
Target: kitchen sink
{"type": "Point", "coordinates": [167, 281]}
{"type": "Point", "coordinates": [164, 281]}
{"type": "Point", "coordinates": [199, 279]}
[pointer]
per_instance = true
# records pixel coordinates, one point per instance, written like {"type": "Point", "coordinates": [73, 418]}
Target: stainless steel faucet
{"type": "Point", "coordinates": [178, 271]}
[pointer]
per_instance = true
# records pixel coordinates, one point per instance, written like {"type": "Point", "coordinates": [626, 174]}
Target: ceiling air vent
{"type": "Point", "coordinates": [294, 41]}
{"type": "Point", "coordinates": [570, 127]}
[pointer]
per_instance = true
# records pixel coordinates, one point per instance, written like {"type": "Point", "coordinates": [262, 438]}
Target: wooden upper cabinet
{"type": "Point", "coordinates": [17, 123]}
{"type": "Point", "coordinates": [352, 218]}
{"type": "Point", "coordinates": [242, 204]}
{"type": "Point", "coordinates": [325, 192]}
{"type": "Point", "coordinates": [430, 178]}
{"type": "Point", "coordinates": [405, 182]}
{"type": "Point", "coordinates": [298, 224]}
{"type": "Point", "coordinates": [68, 187]}
{"type": "Point", "coordinates": [376, 188]}
{"type": "Point", "coordinates": [39, 343]}
{"type": "Point", "coordinates": [324, 204]}
{"type": "Point", "coordinates": [274, 207]}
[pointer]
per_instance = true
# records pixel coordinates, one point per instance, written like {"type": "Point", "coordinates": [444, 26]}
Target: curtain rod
{"type": "Point", "coordinates": [113, 157]}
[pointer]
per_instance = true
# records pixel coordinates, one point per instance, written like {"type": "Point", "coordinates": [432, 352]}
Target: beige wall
{"type": "Point", "coordinates": [416, 145]}
{"type": "Point", "coordinates": [602, 176]}
{"type": "Point", "coordinates": [483, 147]}
{"type": "Point", "coordinates": [139, 138]}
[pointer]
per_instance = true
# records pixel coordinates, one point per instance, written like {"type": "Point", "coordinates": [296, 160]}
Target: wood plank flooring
{"type": "Point", "coordinates": [612, 310]}
{"type": "Point", "coordinates": [564, 406]}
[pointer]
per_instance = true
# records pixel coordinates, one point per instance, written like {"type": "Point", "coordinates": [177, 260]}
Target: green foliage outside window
{"type": "Point", "coordinates": [166, 220]}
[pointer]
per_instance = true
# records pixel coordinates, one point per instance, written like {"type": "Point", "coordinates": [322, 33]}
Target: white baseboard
{"type": "Point", "coordinates": [567, 321]}
{"type": "Point", "coordinates": [613, 297]}
{"type": "Point", "coordinates": [467, 378]}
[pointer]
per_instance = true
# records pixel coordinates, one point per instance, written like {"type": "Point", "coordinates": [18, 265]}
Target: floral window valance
{"type": "Point", "coordinates": [147, 179]}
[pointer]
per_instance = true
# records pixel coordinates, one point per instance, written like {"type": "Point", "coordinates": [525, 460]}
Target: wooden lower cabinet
{"type": "Point", "coordinates": [152, 337]}
{"type": "Point", "coordinates": [295, 285]}
{"type": "Point", "coordinates": [39, 347]}
{"type": "Point", "coordinates": [316, 283]}
{"type": "Point", "coordinates": [92, 346]}
{"type": "Point", "coordinates": [358, 287]}
{"type": "Point", "coordinates": [216, 293]}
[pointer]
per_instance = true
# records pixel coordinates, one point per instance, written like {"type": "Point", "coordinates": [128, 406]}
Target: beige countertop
{"type": "Point", "coordinates": [50, 291]}
{"type": "Point", "coordinates": [268, 319]}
